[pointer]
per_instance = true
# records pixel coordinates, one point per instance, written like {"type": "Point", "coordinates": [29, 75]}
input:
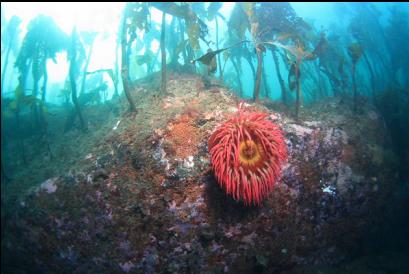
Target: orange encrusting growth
{"type": "Point", "coordinates": [184, 139]}
{"type": "Point", "coordinates": [247, 152]}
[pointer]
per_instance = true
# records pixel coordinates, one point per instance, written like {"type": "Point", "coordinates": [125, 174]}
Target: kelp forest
{"type": "Point", "coordinates": [131, 136]}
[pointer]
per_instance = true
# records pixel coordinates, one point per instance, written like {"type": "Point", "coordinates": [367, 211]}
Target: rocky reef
{"type": "Point", "coordinates": [148, 201]}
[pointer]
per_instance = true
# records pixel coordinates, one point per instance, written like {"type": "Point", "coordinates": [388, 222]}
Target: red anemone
{"type": "Point", "coordinates": [247, 152]}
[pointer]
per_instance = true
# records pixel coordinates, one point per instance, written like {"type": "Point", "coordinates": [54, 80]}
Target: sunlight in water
{"type": "Point", "coordinates": [87, 16]}
{"type": "Point", "coordinates": [100, 17]}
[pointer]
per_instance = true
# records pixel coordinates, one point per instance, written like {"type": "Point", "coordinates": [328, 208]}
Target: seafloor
{"type": "Point", "coordinates": [135, 194]}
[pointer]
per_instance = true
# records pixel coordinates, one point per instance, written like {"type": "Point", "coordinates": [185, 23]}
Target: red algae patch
{"type": "Point", "coordinates": [182, 139]}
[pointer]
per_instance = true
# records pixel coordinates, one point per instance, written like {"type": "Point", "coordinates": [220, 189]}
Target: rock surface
{"type": "Point", "coordinates": [149, 203]}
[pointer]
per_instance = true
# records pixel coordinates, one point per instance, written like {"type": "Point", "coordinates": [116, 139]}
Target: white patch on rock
{"type": "Point", "coordinates": [232, 109]}
{"type": "Point", "coordinates": [89, 178]}
{"type": "Point", "coordinates": [312, 123]}
{"type": "Point", "coordinates": [127, 266]}
{"type": "Point", "coordinates": [329, 189]}
{"type": "Point", "coordinates": [117, 124]}
{"type": "Point", "coordinates": [299, 130]}
{"type": "Point", "coordinates": [336, 135]}
{"type": "Point", "coordinates": [188, 162]}
{"type": "Point", "coordinates": [49, 186]}
{"type": "Point", "coordinates": [275, 116]}
{"type": "Point", "coordinates": [160, 155]}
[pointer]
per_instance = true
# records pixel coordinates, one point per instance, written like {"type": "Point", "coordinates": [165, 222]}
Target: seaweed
{"type": "Point", "coordinates": [209, 58]}
{"type": "Point", "coordinates": [88, 38]}
{"type": "Point", "coordinates": [73, 57]}
{"type": "Point", "coordinates": [43, 40]}
{"type": "Point", "coordinates": [138, 13]}
{"type": "Point", "coordinates": [196, 28]}
{"type": "Point", "coordinates": [355, 53]}
{"type": "Point", "coordinates": [163, 52]}
{"type": "Point", "coordinates": [214, 14]}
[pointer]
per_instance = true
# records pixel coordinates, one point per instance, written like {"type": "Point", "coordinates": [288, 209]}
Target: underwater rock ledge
{"type": "Point", "coordinates": [149, 204]}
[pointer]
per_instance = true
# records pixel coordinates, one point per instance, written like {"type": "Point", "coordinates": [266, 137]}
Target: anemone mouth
{"type": "Point", "coordinates": [250, 153]}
